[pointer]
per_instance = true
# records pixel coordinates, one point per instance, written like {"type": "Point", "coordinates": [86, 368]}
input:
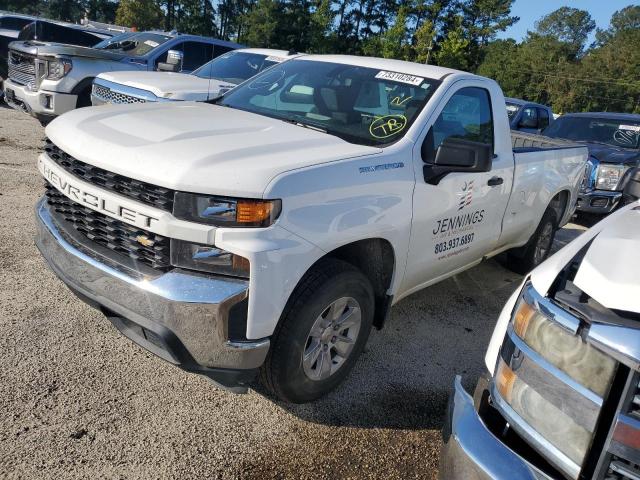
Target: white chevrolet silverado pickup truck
{"type": "Point", "coordinates": [561, 395]}
{"type": "Point", "coordinates": [271, 230]}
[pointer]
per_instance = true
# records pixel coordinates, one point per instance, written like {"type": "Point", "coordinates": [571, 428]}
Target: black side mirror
{"type": "Point", "coordinates": [631, 189]}
{"type": "Point", "coordinates": [454, 155]}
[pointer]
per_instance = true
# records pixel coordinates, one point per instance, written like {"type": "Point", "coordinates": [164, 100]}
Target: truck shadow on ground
{"type": "Point", "coordinates": [403, 379]}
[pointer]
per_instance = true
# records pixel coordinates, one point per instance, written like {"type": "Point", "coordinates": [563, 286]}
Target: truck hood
{"type": "Point", "coordinates": [195, 147]}
{"type": "Point", "coordinates": [609, 270]}
{"type": "Point", "coordinates": [49, 49]}
{"type": "Point", "coordinates": [609, 154]}
{"type": "Point", "coordinates": [180, 85]}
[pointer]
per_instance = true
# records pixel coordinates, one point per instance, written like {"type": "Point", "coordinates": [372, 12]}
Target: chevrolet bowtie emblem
{"type": "Point", "coordinates": [144, 240]}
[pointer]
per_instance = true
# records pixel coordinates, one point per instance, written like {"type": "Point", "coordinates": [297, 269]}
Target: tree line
{"type": "Point", "coordinates": [554, 64]}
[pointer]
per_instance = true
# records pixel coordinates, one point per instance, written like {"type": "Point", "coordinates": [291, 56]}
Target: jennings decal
{"type": "Point", "coordinates": [453, 235]}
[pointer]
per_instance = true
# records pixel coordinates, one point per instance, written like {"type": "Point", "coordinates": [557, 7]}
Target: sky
{"type": "Point", "coordinates": [531, 10]}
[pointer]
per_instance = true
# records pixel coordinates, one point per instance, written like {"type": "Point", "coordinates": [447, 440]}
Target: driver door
{"type": "Point", "coordinates": [457, 220]}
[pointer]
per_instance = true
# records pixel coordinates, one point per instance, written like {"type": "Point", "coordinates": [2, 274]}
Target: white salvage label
{"type": "Point", "coordinates": [633, 128]}
{"type": "Point", "coordinates": [272, 58]}
{"type": "Point", "coordinates": [400, 77]}
{"type": "Point", "coordinates": [151, 43]}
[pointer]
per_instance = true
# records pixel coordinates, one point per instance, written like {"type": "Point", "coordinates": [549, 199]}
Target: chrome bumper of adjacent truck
{"type": "Point", "coordinates": [471, 452]}
{"type": "Point", "coordinates": [181, 316]}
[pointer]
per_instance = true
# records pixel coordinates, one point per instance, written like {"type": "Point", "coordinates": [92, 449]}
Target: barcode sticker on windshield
{"type": "Point", "coordinates": [273, 58]}
{"type": "Point", "coordinates": [400, 77]}
{"type": "Point", "coordinates": [633, 128]}
{"type": "Point", "coordinates": [151, 43]}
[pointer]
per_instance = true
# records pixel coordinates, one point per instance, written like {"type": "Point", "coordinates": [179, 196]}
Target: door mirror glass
{"type": "Point", "coordinates": [529, 118]}
{"type": "Point", "coordinates": [461, 138]}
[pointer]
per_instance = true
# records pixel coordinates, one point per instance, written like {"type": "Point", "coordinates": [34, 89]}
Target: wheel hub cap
{"type": "Point", "coordinates": [331, 338]}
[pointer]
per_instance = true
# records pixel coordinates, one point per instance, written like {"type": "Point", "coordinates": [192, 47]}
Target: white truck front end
{"type": "Point", "coordinates": [561, 398]}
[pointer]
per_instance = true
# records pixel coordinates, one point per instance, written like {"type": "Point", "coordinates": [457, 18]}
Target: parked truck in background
{"type": "Point", "coordinates": [613, 140]}
{"type": "Point", "coordinates": [267, 232]}
{"type": "Point", "coordinates": [49, 79]}
{"type": "Point", "coordinates": [209, 81]}
{"type": "Point", "coordinates": [527, 116]}
{"type": "Point", "coordinates": [562, 399]}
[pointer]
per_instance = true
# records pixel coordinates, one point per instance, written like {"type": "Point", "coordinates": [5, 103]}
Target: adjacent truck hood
{"type": "Point", "coordinates": [195, 147]}
{"type": "Point", "coordinates": [48, 49]}
{"type": "Point", "coordinates": [608, 154]}
{"type": "Point", "coordinates": [181, 86]}
{"type": "Point", "coordinates": [609, 270]}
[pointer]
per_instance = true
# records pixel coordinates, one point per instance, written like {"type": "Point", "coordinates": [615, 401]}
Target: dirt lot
{"type": "Point", "coordinates": [80, 400]}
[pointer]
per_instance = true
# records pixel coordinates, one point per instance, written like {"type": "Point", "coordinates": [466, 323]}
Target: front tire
{"type": "Point", "coordinates": [524, 259]}
{"type": "Point", "coordinates": [321, 334]}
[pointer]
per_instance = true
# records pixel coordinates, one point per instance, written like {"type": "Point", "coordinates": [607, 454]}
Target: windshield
{"type": "Point", "coordinates": [134, 44]}
{"type": "Point", "coordinates": [512, 110]}
{"type": "Point", "coordinates": [617, 133]}
{"type": "Point", "coordinates": [361, 105]}
{"type": "Point", "coordinates": [236, 67]}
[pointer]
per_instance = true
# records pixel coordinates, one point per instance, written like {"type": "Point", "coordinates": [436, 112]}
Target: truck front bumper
{"type": "Point", "coordinates": [181, 316]}
{"type": "Point", "coordinates": [42, 104]}
{"type": "Point", "coordinates": [600, 202]}
{"type": "Point", "coordinates": [471, 452]}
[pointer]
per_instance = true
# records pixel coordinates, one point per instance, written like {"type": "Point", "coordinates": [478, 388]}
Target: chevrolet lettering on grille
{"type": "Point", "coordinates": [108, 206]}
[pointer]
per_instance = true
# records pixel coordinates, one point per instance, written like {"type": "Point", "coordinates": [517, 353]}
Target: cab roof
{"type": "Point", "coordinates": [387, 64]}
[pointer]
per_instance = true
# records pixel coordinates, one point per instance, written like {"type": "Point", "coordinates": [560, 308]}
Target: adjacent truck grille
{"type": "Point", "coordinates": [107, 95]}
{"type": "Point", "coordinates": [143, 192]}
{"type": "Point", "coordinates": [22, 69]}
{"type": "Point", "coordinates": [108, 232]}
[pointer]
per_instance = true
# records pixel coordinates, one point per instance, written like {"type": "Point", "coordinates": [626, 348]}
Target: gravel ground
{"type": "Point", "coordinates": [80, 400]}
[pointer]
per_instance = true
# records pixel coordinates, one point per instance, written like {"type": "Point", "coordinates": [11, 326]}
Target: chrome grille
{"type": "Point", "coordinates": [107, 95]}
{"type": "Point", "coordinates": [108, 232]}
{"type": "Point", "coordinates": [22, 69]}
{"type": "Point", "coordinates": [143, 192]}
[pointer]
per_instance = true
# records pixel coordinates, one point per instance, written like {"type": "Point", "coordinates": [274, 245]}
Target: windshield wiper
{"type": "Point", "coordinates": [303, 125]}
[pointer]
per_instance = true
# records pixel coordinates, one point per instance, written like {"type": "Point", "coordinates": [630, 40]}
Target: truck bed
{"type": "Point", "coordinates": [530, 142]}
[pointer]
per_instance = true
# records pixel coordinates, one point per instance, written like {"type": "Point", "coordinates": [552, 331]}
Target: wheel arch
{"type": "Point", "coordinates": [376, 259]}
{"type": "Point", "coordinates": [560, 204]}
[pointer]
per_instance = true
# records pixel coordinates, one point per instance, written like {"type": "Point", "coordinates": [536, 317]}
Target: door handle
{"type": "Point", "coordinates": [495, 181]}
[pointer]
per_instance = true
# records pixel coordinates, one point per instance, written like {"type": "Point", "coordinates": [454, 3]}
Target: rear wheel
{"type": "Point", "coordinates": [524, 259]}
{"type": "Point", "coordinates": [321, 334]}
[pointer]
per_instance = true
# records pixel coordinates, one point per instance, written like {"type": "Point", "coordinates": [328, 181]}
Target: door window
{"type": "Point", "coordinates": [543, 118]}
{"type": "Point", "coordinates": [196, 54]}
{"type": "Point", "coordinates": [467, 115]}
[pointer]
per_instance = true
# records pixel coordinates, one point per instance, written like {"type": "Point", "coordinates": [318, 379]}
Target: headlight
{"type": "Point", "coordinates": [564, 414]}
{"type": "Point", "coordinates": [58, 68]}
{"type": "Point", "coordinates": [581, 361]}
{"type": "Point", "coordinates": [225, 212]}
{"type": "Point", "coordinates": [558, 428]}
{"type": "Point", "coordinates": [207, 258]}
{"type": "Point", "coordinates": [609, 176]}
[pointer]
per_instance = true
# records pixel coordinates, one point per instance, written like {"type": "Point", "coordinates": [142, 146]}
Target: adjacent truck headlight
{"type": "Point", "coordinates": [538, 400]}
{"type": "Point", "coordinates": [226, 212]}
{"type": "Point", "coordinates": [581, 361]}
{"type": "Point", "coordinates": [609, 176]}
{"type": "Point", "coordinates": [58, 68]}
